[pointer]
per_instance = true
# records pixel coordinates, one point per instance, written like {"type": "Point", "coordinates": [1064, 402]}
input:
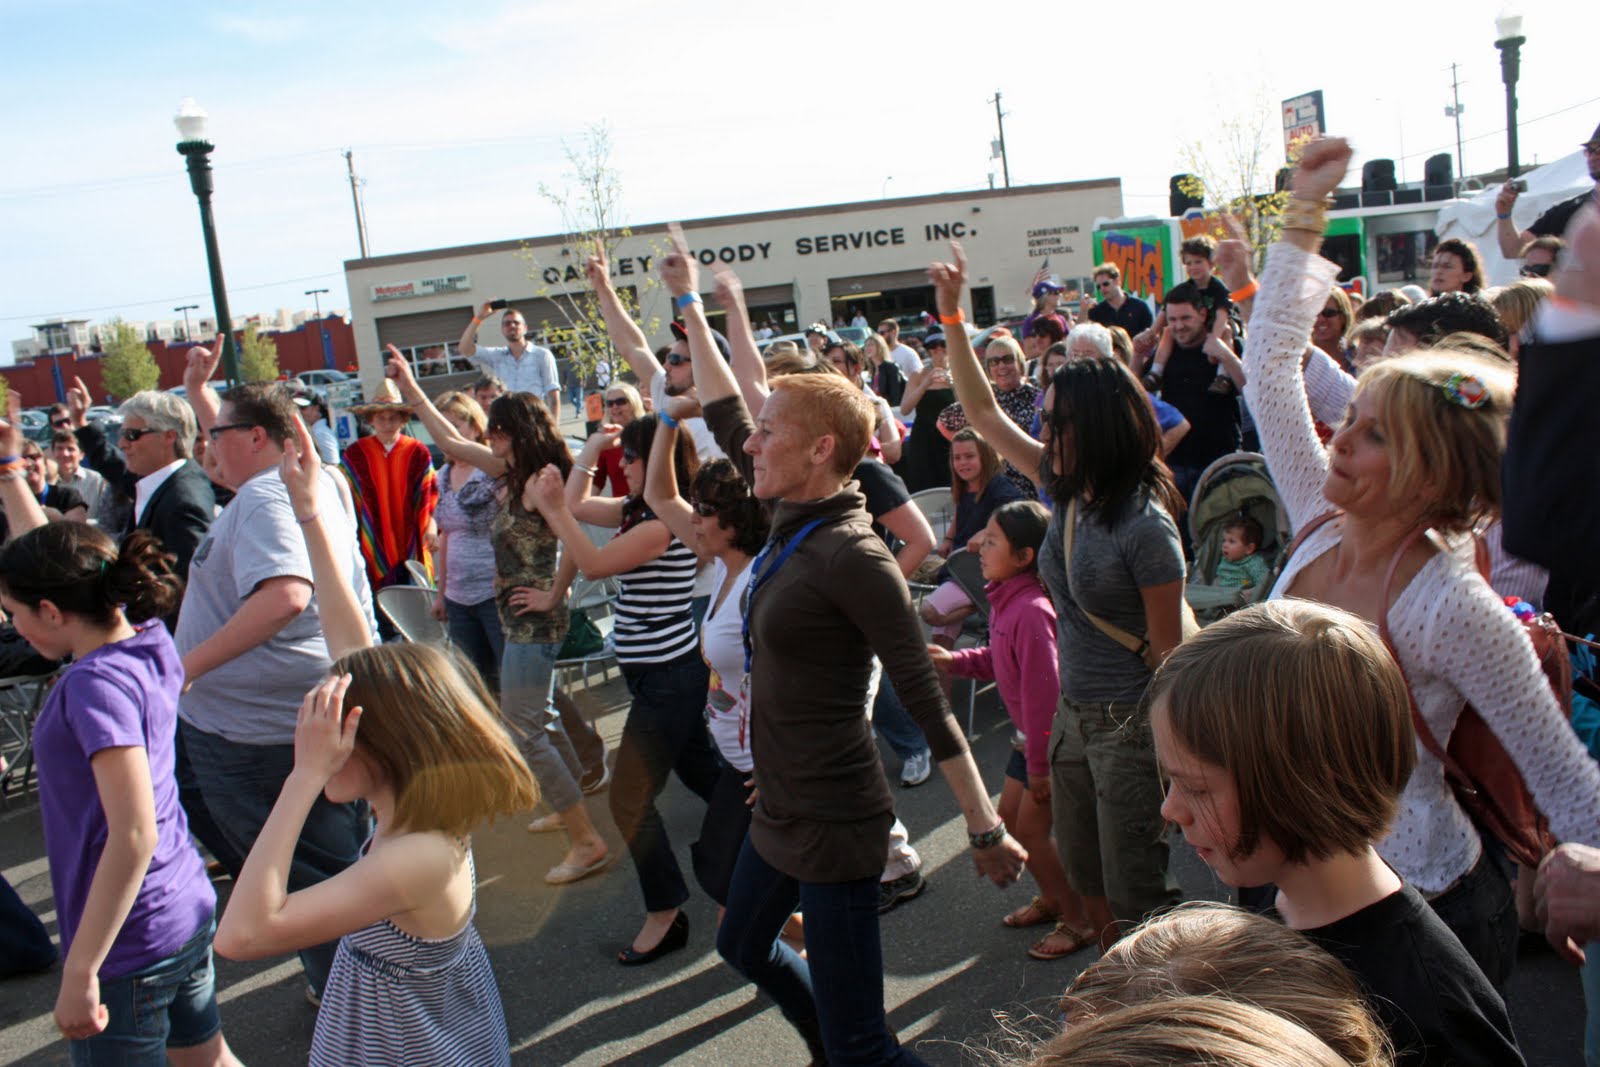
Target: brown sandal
{"type": "Point", "coordinates": [1079, 940]}
{"type": "Point", "coordinates": [1032, 913]}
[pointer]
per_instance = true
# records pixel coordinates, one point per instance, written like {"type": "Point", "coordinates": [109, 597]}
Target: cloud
{"type": "Point", "coordinates": [258, 30]}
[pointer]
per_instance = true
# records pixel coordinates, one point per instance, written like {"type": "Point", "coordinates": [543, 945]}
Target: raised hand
{"type": "Point", "coordinates": [684, 406]}
{"type": "Point", "coordinates": [485, 311]}
{"type": "Point", "coordinates": [301, 470]}
{"type": "Point", "coordinates": [1323, 165]}
{"type": "Point", "coordinates": [1506, 198]}
{"type": "Point", "coordinates": [202, 364]}
{"type": "Point", "coordinates": [547, 488]}
{"type": "Point", "coordinates": [324, 736]}
{"type": "Point", "coordinates": [1233, 255]}
{"type": "Point", "coordinates": [396, 368]}
{"type": "Point", "coordinates": [679, 271]}
{"type": "Point", "coordinates": [12, 437]}
{"type": "Point", "coordinates": [595, 267]}
{"type": "Point", "coordinates": [78, 402]}
{"type": "Point", "coordinates": [603, 438]}
{"type": "Point", "coordinates": [730, 290]}
{"type": "Point", "coordinates": [949, 279]}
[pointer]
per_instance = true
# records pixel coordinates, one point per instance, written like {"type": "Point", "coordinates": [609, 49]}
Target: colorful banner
{"type": "Point", "coordinates": [1142, 254]}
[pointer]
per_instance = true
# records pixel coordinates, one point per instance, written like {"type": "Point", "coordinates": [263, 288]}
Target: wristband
{"type": "Point", "coordinates": [476, 321]}
{"type": "Point", "coordinates": [587, 470]}
{"type": "Point", "coordinates": [1501, 217]}
{"type": "Point", "coordinates": [681, 302]}
{"type": "Point", "coordinates": [6, 461]}
{"type": "Point", "coordinates": [1245, 292]}
{"type": "Point", "coordinates": [309, 519]}
{"type": "Point", "coordinates": [951, 320]}
{"type": "Point", "coordinates": [667, 420]}
{"type": "Point", "coordinates": [989, 838]}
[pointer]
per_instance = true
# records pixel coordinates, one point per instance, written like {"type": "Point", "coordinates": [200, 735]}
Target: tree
{"type": "Point", "coordinates": [1233, 173]}
{"type": "Point", "coordinates": [127, 366]}
{"type": "Point", "coordinates": [258, 356]}
{"type": "Point", "coordinates": [589, 205]}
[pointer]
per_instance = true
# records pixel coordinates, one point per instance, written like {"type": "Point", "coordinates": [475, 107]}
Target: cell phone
{"type": "Point", "coordinates": [499, 305]}
{"type": "Point", "coordinates": [1520, 185]}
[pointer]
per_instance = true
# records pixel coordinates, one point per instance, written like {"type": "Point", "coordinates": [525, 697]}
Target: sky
{"type": "Point", "coordinates": [456, 114]}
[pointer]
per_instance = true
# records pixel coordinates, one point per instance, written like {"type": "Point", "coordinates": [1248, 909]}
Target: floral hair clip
{"type": "Point", "coordinates": [1466, 390]}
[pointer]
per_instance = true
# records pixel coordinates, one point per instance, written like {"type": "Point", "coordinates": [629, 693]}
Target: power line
{"type": "Point", "coordinates": [164, 299]}
{"type": "Point", "coordinates": [1497, 133]}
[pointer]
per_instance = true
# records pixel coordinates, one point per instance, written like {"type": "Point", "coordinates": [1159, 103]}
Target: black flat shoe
{"type": "Point", "coordinates": [676, 937]}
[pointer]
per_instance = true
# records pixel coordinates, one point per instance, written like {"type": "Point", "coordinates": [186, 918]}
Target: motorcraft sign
{"type": "Point", "coordinates": [449, 283]}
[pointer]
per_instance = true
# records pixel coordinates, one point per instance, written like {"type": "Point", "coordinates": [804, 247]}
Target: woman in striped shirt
{"type": "Point", "coordinates": [657, 647]}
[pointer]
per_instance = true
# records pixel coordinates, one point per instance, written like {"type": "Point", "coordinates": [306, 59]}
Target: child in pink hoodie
{"type": "Point", "coordinates": [1021, 657]}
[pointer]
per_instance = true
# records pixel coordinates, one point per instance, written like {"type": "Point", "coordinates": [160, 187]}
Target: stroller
{"type": "Point", "coordinates": [1235, 483]}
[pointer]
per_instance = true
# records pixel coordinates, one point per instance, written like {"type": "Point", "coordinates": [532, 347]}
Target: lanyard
{"type": "Point", "coordinates": [759, 573]}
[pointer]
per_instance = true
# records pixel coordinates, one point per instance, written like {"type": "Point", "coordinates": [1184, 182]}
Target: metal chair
{"type": "Point", "coordinates": [595, 597]}
{"type": "Point", "coordinates": [938, 508]}
{"type": "Point", "coordinates": [21, 697]}
{"type": "Point", "coordinates": [419, 574]}
{"type": "Point", "coordinates": [407, 607]}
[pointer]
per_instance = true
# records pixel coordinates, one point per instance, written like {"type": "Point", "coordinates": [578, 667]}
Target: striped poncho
{"type": "Point", "coordinates": [395, 494]}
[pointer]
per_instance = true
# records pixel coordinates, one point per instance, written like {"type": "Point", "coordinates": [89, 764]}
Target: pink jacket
{"type": "Point", "coordinates": [1021, 656]}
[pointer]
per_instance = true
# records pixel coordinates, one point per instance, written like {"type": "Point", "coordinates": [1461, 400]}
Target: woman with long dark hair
{"type": "Point", "coordinates": [522, 440]}
{"type": "Point", "coordinates": [1111, 560]}
{"type": "Point", "coordinates": [656, 644]}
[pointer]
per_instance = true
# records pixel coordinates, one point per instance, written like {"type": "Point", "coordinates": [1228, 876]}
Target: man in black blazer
{"type": "Point", "coordinates": [171, 497]}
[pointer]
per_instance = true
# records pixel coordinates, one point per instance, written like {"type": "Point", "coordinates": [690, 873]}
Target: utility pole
{"type": "Point", "coordinates": [1454, 112]}
{"type": "Point", "coordinates": [355, 198]}
{"type": "Point", "coordinates": [1000, 145]}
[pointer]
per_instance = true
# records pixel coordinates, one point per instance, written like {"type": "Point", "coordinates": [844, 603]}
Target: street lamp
{"type": "Point", "coordinates": [187, 336]}
{"type": "Point", "coordinates": [196, 150]}
{"type": "Point", "coordinates": [1508, 27]}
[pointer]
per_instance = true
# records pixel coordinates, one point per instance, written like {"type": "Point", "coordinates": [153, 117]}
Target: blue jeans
{"type": "Point", "coordinates": [835, 1001]}
{"type": "Point", "coordinates": [172, 1002]}
{"type": "Point", "coordinates": [201, 824]}
{"type": "Point", "coordinates": [475, 630]}
{"type": "Point", "coordinates": [25, 944]}
{"type": "Point", "coordinates": [1481, 910]}
{"type": "Point", "coordinates": [665, 732]}
{"type": "Point", "coordinates": [240, 784]}
{"type": "Point", "coordinates": [1591, 1003]}
{"type": "Point", "coordinates": [526, 676]}
{"type": "Point", "coordinates": [895, 724]}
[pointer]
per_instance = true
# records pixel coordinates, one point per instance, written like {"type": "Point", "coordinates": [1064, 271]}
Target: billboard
{"type": "Point", "coordinates": [1303, 119]}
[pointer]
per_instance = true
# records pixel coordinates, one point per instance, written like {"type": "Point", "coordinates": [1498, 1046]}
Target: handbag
{"type": "Point", "coordinates": [1139, 646]}
{"type": "Point", "coordinates": [583, 636]}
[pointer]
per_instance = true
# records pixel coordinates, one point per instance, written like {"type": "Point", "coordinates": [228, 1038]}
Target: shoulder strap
{"type": "Point", "coordinates": [1306, 531]}
{"type": "Point", "coordinates": [1133, 643]}
{"type": "Point", "coordinates": [1424, 734]}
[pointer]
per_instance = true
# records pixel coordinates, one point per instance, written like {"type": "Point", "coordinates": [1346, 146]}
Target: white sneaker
{"type": "Point", "coordinates": [915, 770]}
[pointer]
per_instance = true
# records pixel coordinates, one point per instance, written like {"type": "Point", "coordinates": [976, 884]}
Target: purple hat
{"type": "Point", "coordinates": [1049, 285]}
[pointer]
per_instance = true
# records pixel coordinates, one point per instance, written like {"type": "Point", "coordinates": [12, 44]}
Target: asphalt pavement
{"type": "Point", "coordinates": [950, 965]}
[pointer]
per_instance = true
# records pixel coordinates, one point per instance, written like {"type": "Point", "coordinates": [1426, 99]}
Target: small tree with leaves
{"type": "Point", "coordinates": [589, 205]}
{"type": "Point", "coordinates": [127, 365]}
{"type": "Point", "coordinates": [258, 356]}
{"type": "Point", "coordinates": [1232, 172]}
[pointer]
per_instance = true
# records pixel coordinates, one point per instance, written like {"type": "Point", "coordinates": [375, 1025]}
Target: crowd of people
{"type": "Point", "coordinates": [227, 689]}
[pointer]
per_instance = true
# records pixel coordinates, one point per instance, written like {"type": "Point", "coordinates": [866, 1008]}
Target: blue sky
{"type": "Point", "coordinates": [457, 116]}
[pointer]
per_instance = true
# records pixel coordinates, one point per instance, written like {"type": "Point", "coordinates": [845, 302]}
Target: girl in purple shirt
{"type": "Point", "coordinates": [134, 904]}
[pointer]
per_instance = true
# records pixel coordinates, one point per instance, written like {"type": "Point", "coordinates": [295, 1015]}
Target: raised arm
{"type": "Point", "coordinates": [1511, 240]}
{"type": "Point", "coordinates": [197, 374]}
{"type": "Point", "coordinates": [661, 484]}
{"type": "Point", "coordinates": [621, 554]}
{"type": "Point", "coordinates": [1233, 267]}
{"type": "Point", "coordinates": [625, 334]}
{"type": "Point", "coordinates": [344, 625]}
{"type": "Point", "coordinates": [444, 435]}
{"type": "Point", "coordinates": [916, 386]}
{"type": "Point", "coordinates": [713, 379]}
{"type": "Point", "coordinates": [972, 388]}
{"type": "Point", "coordinates": [469, 337]}
{"type": "Point", "coordinates": [23, 512]}
{"type": "Point", "coordinates": [748, 368]}
{"type": "Point", "coordinates": [581, 501]}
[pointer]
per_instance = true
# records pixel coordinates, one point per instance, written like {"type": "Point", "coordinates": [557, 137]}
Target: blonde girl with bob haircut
{"type": "Point", "coordinates": [1285, 733]}
{"type": "Point", "coordinates": [1206, 1030]}
{"type": "Point", "coordinates": [1383, 507]}
{"type": "Point", "coordinates": [423, 745]}
{"type": "Point", "coordinates": [1203, 950]}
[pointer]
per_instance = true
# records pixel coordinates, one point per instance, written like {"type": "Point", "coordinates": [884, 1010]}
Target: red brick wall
{"type": "Point", "coordinates": [297, 351]}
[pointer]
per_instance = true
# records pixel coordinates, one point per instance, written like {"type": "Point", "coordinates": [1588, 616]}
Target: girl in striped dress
{"type": "Point", "coordinates": [423, 745]}
{"type": "Point", "coordinates": [657, 647]}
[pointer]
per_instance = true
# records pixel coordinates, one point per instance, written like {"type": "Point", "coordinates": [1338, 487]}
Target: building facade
{"type": "Point", "coordinates": [797, 266]}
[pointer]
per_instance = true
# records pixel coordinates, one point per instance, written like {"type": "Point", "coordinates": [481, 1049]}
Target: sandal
{"type": "Point", "coordinates": [546, 824]}
{"type": "Point", "coordinates": [1031, 914]}
{"type": "Point", "coordinates": [1077, 940]}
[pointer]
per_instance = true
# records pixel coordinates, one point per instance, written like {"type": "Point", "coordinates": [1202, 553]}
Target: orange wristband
{"type": "Point", "coordinates": [951, 320]}
{"type": "Point", "coordinates": [1565, 302]}
{"type": "Point", "coordinates": [1245, 292]}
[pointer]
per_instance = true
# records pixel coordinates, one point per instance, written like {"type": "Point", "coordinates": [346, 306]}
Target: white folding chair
{"type": "Point", "coordinates": [938, 508]}
{"type": "Point", "coordinates": [419, 574]}
{"type": "Point", "coordinates": [407, 607]}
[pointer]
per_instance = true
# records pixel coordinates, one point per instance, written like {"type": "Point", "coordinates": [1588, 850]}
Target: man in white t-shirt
{"type": "Point", "coordinates": [904, 358]}
{"type": "Point", "coordinates": [523, 367]}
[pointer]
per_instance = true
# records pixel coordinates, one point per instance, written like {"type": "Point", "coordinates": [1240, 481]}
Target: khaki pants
{"type": "Point", "coordinates": [1105, 795]}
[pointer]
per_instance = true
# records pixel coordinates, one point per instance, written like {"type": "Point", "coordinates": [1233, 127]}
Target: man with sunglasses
{"type": "Point", "coordinates": [1553, 223]}
{"type": "Point", "coordinates": [1116, 307]}
{"type": "Point", "coordinates": [1540, 256]}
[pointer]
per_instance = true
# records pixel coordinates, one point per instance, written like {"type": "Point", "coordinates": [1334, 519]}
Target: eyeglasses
{"type": "Point", "coordinates": [1536, 270]}
{"type": "Point", "coordinates": [1103, 283]}
{"type": "Point", "coordinates": [629, 456]}
{"type": "Point", "coordinates": [1001, 360]}
{"type": "Point", "coordinates": [216, 432]}
{"type": "Point", "coordinates": [616, 402]}
{"type": "Point", "coordinates": [705, 510]}
{"type": "Point", "coordinates": [130, 434]}
{"type": "Point", "coordinates": [33, 457]}
{"type": "Point", "coordinates": [675, 360]}
{"type": "Point", "coordinates": [60, 424]}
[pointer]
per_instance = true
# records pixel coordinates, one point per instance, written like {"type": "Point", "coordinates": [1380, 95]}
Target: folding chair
{"type": "Point", "coordinates": [595, 597]}
{"type": "Point", "coordinates": [407, 606]}
{"type": "Point", "coordinates": [967, 571]}
{"type": "Point", "coordinates": [419, 574]}
{"type": "Point", "coordinates": [21, 697]}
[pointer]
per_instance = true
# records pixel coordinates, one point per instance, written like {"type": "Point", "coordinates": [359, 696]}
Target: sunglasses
{"type": "Point", "coordinates": [616, 401]}
{"type": "Point", "coordinates": [33, 457]}
{"type": "Point", "coordinates": [129, 434]}
{"type": "Point", "coordinates": [705, 510]}
{"type": "Point", "coordinates": [675, 360]}
{"type": "Point", "coordinates": [1328, 313]}
{"type": "Point", "coordinates": [60, 424]}
{"type": "Point", "coordinates": [1103, 284]}
{"type": "Point", "coordinates": [994, 361]}
{"type": "Point", "coordinates": [629, 456]}
{"type": "Point", "coordinates": [1536, 270]}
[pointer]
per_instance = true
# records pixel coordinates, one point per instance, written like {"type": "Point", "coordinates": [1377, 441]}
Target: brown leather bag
{"type": "Point", "coordinates": [1481, 773]}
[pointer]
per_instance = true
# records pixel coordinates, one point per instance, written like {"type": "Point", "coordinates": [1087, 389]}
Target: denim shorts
{"type": "Point", "coordinates": [171, 1003]}
{"type": "Point", "coordinates": [1017, 766]}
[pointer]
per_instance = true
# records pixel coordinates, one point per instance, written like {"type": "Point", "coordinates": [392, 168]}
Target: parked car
{"type": "Point", "coordinates": [36, 425]}
{"type": "Point", "coordinates": [317, 379]}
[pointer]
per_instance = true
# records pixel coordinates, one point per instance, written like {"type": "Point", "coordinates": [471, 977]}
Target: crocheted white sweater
{"type": "Point", "coordinates": [1456, 641]}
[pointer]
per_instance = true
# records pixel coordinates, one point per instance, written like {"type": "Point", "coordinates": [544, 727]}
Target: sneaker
{"type": "Point", "coordinates": [1221, 386]}
{"type": "Point", "coordinates": [892, 894]}
{"type": "Point", "coordinates": [915, 770]}
{"type": "Point", "coordinates": [313, 997]}
{"type": "Point", "coordinates": [595, 779]}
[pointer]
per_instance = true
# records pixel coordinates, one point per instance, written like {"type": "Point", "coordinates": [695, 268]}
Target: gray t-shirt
{"type": "Point", "coordinates": [1109, 567]}
{"type": "Point", "coordinates": [254, 698]}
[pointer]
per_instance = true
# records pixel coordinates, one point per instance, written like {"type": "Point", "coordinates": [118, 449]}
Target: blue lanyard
{"type": "Point", "coordinates": [759, 573]}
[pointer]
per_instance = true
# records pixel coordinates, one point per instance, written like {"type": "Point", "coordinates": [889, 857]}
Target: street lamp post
{"type": "Point", "coordinates": [1510, 41]}
{"type": "Point", "coordinates": [322, 336]}
{"type": "Point", "coordinates": [187, 336]}
{"type": "Point", "coordinates": [196, 150]}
